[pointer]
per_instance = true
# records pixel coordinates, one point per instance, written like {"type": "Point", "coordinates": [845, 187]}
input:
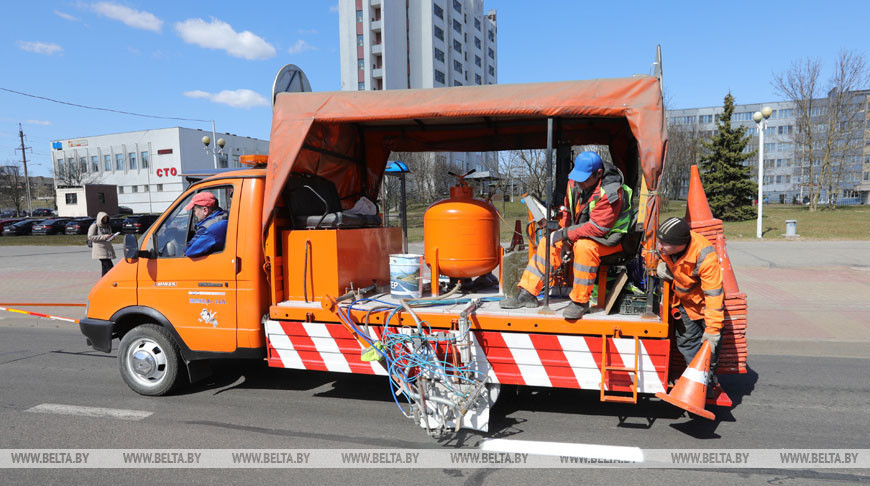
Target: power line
{"type": "Point", "coordinates": [101, 109]}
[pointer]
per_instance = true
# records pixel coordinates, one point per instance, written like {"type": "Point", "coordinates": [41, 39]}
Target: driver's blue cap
{"type": "Point", "coordinates": [584, 166]}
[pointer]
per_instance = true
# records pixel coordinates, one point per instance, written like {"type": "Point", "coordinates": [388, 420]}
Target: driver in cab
{"type": "Point", "coordinates": [211, 226]}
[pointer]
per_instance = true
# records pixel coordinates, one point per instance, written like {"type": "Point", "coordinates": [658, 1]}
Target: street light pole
{"type": "Point", "coordinates": [760, 118]}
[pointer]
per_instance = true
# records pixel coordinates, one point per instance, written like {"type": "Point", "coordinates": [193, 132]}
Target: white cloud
{"type": "Point", "coordinates": [66, 16]}
{"type": "Point", "coordinates": [239, 98]}
{"type": "Point", "coordinates": [138, 19]}
{"type": "Point", "coordinates": [307, 31]}
{"type": "Point", "coordinates": [48, 48]}
{"type": "Point", "coordinates": [333, 8]}
{"type": "Point", "coordinates": [38, 122]}
{"type": "Point", "coordinates": [220, 35]}
{"type": "Point", "coordinates": [301, 46]}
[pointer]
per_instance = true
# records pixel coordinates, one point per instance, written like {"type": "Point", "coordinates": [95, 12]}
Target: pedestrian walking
{"type": "Point", "coordinates": [100, 238]}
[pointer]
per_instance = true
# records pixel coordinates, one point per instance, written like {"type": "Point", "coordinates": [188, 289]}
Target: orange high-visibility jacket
{"type": "Point", "coordinates": [697, 283]}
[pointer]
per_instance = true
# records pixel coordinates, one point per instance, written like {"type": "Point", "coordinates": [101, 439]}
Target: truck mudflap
{"type": "Point", "coordinates": [531, 359]}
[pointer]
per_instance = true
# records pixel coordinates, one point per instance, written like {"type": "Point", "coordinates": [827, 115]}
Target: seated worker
{"type": "Point", "coordinates": [599, 215]}
{"type": "Point", "coordinates": [691, 263]}
{"type": "Point", "coordinates": [211, 226]}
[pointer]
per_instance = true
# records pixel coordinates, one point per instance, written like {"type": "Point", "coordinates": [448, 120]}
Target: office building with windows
{"type": "Point", "coordinates": [394, 44]}
{"type": "Point", "coordinates": [785, 179]}
{"type": "Point", "coordinates": [148, 167]}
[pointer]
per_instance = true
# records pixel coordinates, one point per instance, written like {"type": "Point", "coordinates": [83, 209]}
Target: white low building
{"type": "Point", "coordinates": [146, 165]}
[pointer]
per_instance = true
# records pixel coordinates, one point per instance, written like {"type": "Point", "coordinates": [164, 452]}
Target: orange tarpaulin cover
{"type": "Point", "coordinates": [347, 136]}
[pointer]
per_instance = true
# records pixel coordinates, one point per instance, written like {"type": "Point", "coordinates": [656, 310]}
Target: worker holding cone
{"type": "Point", "coordinates": [690, 262]}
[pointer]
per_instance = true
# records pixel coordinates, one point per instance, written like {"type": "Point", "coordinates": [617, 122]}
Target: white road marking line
{"type": "Point", "coordinates": [115, 413]}
{"type": "Point", "coordinates": [596, 451]}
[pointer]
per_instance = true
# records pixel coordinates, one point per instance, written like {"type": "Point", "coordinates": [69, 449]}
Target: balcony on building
{"type": "Point", "coordinates": [376, 25]}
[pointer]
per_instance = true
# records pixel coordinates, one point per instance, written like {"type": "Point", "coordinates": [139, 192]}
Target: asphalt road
{"type": "Point", "coordinates": [790, 399]}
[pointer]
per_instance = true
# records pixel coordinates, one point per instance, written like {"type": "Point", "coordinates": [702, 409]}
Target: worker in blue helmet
{"type": "Point", "coordinates": [598, 214]}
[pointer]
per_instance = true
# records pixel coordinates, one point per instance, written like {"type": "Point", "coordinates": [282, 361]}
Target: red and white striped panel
{"type": "Point", "coordinates": [511, 358]}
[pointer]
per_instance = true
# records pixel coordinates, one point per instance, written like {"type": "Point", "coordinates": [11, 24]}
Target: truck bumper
{"type": "Point", "coordinates": [98, 332]}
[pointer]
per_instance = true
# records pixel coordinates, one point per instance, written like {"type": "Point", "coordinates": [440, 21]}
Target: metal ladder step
{"type": "Point", "coordinates": [605, 369]}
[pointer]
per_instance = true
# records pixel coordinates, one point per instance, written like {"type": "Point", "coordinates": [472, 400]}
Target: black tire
{"type": "Point", "coordinates": [149, 360]}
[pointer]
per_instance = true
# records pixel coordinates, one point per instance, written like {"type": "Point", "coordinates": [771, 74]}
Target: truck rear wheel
{"type": "Point", "coordinates": [149, 360]}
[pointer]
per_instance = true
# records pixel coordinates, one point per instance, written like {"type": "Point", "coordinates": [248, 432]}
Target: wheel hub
{"type": "Point", "coordinates": [143, 363]}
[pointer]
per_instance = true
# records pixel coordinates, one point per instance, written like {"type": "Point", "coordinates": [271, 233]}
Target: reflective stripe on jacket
{"type": "Point", "coordinates": [697, 283]}
{"type": "Point", "coordinates": [604, 214]}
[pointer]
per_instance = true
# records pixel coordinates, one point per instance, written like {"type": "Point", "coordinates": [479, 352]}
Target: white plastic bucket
{"type": "Point", "coordinates": [406, 276]}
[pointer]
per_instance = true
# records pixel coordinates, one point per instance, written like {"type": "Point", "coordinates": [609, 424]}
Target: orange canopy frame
{"type": "Point", "coordinates": [347, 136]}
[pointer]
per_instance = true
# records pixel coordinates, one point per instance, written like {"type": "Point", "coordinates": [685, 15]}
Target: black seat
{"type": "Point", "coordinates": [314, 204]}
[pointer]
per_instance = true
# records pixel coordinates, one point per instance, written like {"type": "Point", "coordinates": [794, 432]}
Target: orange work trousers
{"type": "Point", "coordinates": [587, 256]}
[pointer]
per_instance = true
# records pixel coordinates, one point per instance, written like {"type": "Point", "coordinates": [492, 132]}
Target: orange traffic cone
{"type": "Point", "coordinates": [690, 392]}
{"type": "Point", "coordinates": [698, 213]}
{"type": "Point", "coordinates": [729, 281]}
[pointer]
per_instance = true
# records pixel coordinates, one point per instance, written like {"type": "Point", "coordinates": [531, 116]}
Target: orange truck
{"type": "Point", "coordinates": [302, 282]}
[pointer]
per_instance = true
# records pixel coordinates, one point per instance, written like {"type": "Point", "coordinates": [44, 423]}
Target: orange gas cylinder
{"type": "Point", "coordinates": [461, 234]}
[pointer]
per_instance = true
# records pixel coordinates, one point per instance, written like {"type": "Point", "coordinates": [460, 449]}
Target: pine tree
{"type": "Point", "coordinates": [726, 180]}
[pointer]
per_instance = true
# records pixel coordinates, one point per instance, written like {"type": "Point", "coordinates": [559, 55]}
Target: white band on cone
{"type": "Point", "coordinates": [697, 376]}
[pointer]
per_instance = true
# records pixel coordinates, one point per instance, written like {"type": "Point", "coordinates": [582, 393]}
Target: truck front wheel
{"type": "Point", "coordinates": [149, 360]}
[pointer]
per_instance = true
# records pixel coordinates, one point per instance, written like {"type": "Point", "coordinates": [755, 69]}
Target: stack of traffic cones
{"type": "Point", "coordinates": [732, 350]}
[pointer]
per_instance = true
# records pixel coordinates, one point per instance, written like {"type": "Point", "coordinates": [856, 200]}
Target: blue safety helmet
{"type": "Point", "coordinates": [585, 165]}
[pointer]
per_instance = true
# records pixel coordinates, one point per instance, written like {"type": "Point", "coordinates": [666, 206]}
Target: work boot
{"type": "Point", "coordinates": [575, 310]}
{"type": "Point", "coordinates": [523, 299]}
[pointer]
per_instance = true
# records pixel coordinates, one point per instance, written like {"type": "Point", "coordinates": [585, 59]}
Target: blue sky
{"type": "Point", "coordinates": [217, 60]}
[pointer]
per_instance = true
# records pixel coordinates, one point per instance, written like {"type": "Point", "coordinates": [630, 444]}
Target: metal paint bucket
{"type": "Point", "coordinates": [406, 276]}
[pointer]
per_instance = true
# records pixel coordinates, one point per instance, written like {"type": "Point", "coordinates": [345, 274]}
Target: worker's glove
{"type": "Point", "coordinates": [664, 272]}
{"type": "Point", "coordinates": [559, 235]}
{"type": "Point", "coordinates": [712, 338]}
{"type": "Point", "coordinates": [567, 252]}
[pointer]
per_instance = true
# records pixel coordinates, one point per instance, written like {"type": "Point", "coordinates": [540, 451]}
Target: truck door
{"type": "Point", "coordinates": [197, 295]}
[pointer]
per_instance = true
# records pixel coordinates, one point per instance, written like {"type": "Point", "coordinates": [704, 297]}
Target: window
{"type": "Point", "coordinates": [457, 26]}
{"type": "Point", "coordinates": [120, 189]}
{"type": "Point", "coordinates": [132, 157]}
{"type": "Point", "coordinates": [144, 160]}
{"type": "Point", "coordinates": [457, 66]}
{"type": "Point", "coordinates": [477, 79]}
{"type": "Point", "coordinates": [785, 130]}
{"type": "Point", "coordinates": [779, 179]}
{"type": "Point", "coordinates": [439, 76]}
{"type": "Point", "coordinates": [490, 53]}
{"type": "Point", "coordinates": [439, 33]}
{"type": "Point", "coordinates": [119, 161]}
{"type": "Point", "coordinates": [784, 147]}
{"type": "Point", "coordinates": [83, 164]}
{"type": "Point", "coordinates": [457, 46]}
{"type": "Point", "coordinates": [101, 197]}
{"type": "Point", "coordinates": [172, 235]}
{"type": "Point", "coordinates": [145, 188]}
{"type": "Point", "coordinates": [159, 187]}
{"type": "Point", "coordinates": [477, 24]}
{"type": "Point", "coordinates": [789, 113]}
{"type": "Point", "coordinates": [743, 116]}
{"type": "Point", "coordinates": [439, 12]}
{"type": "Point", "coordinates": [359, 40]}
{"type": "Point", "coordinates": [72, 198]}
{"type": "Point", "coordinates": [457, 6]}
{"type": "Point", "coordinates": [359, 15]}
{"type": "Point", "coordinates": [491, 36]}
{"type": "Point", "coordinates": [788, 179]}
{"type": "Point", "coordinates": [95, 164]}
{"type": "Point", "coordinates": [770, 147]}
{"type": "Point", "coordinates": [491, 71]}
{"type": "Point", "coordinates": [134, 188]}
{"type": "Point", "coordinates": [477, 42]}
{"type": "Point", "coordinates": [361, 64]}
{"type": "Point", "coordinates": [705, 119]}
{"type": "Point", "coordinates": [439, 54]}
{"type": "Point", "coordinates": [456, 83]}
{"type": "Point", "coordinates": [361, 86]}
{"type": "Point", "coordinates": [477, 61]}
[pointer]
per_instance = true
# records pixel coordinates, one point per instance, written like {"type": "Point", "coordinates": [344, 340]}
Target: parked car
{"type": "Point", "coordinates": [7, 222]}
{"type": "Point", "coordinates": [8, 213]}
{"type": "Point", "coordinates": [124, 210]}
{"type": "Point", "coordinates": [55, 226]}
{"type": "Point", "coordinates": [20, 228]}
{"type": "Point", "coordinates": [117, 223]}
{"type": "Point", "coordinates": [139, 223]}
{"type": "Point", "coordinates": [42, 212]}
{"type": "Point", "coordinates": [79, 226]}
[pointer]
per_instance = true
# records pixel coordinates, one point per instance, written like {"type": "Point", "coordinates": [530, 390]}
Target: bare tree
{"type": "Point", "coordinates": [825, 125]}
{"type": "Point", "coordinates": [72, 173]}
{"type": "Point", "coordinates": [13, 191]}
{"type": "Point", "coordinates": [684, 150]}
{"type": "Point", "coordinates": [528, 168]}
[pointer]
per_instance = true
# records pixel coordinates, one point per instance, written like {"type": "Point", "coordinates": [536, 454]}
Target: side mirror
{"type": "Point", "coordinates": [131, 248]}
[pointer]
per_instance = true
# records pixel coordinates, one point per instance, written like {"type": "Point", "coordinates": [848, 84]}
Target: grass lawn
{"type": "Point", "coordinates": [47, 240]}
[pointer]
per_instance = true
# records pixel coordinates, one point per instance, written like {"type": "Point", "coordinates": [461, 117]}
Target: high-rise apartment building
{"type": "Point", "coordinates": [399, 44]}
{"type": "Point", "coordinates": [786, 177]}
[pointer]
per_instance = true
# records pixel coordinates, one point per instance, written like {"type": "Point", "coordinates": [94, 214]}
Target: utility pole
{"type": "Point", "coordinates": [26, 178]}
